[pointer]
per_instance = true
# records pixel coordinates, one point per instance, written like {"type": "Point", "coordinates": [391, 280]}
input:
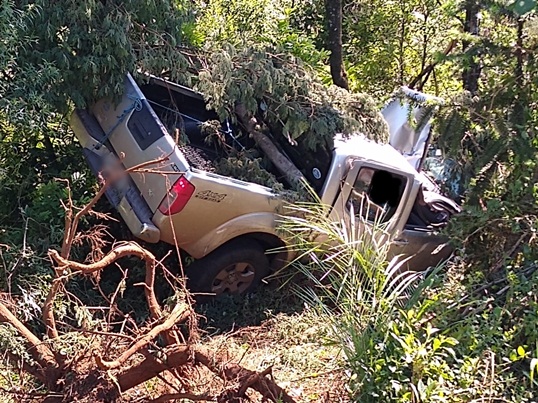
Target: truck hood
{"type": "Point", "coordinates": [409, 114]}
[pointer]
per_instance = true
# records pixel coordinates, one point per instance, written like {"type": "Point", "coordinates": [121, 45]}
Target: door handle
{"type": "Point", "coordinates": [400, 242]}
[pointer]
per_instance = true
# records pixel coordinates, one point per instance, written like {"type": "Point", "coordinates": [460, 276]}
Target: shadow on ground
{"type": "Point", "coordinates": [231, 312]}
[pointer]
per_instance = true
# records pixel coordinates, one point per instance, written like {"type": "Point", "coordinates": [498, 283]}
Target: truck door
{"type": "Point", "coordinates": [420, 238]}
{"type": "Point", "coordinates": [372, 195]}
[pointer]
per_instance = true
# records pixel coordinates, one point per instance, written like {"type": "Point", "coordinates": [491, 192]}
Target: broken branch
{"type": "Point", "coordinates": [128, 249]}
{"type": "Point", "coordinates": [179, 314]}
{"type": "Point", "coordinates": [232, 372]}
{"type": "Point", "coordinates": [281, 162]}
{"type": "Point", "coordinates": [173, 357]}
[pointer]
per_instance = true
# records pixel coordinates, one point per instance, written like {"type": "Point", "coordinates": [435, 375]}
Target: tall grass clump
{"type": "Point", "coordinates": [373, 307]}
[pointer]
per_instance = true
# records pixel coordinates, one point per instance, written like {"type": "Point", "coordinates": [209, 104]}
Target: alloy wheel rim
{"type": "Point", "coordinates": [233, 279]}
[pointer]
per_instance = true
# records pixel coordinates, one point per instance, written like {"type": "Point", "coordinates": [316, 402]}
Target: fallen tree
{"type": "Point", "coordinates": [282, 104]}
{"type": "Point", "coordinates": [116, 360]}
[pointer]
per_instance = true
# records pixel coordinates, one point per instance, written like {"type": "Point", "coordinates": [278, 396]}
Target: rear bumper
{"type": "Point", "coordinates": [122, 192]}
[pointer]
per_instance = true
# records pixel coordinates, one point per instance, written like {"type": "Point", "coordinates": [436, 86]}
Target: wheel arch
{"type": "Point", "coordinates": [259, 227]}
{"type": "Point", "coordinates": [276, 249]}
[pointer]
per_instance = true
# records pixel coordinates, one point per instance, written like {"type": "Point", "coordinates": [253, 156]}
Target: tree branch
{"type": "Point", "coordinates": [39, 351]}
{"type": "Point", "coordinates": [429, 68]}
{"type": "Point", "coordinates": [128, 249]}
{"type": "Point", "coordinates": [281, 162]}
{"type": "Point", "coordinates": [232, 372]}
{"type": "Point", "coordinates": [179, 314]}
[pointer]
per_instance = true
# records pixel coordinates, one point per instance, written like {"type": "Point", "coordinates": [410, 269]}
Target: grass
{"type": "Point", "coordinates": [280, 332]}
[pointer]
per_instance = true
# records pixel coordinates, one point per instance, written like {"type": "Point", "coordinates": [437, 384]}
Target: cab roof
{"type": "Point", "coordinates": [368, 150]}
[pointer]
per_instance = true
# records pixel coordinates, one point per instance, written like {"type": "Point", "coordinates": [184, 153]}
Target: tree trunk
{"type": "Point", "coordinates": [471, 73]}
{"type": "Point", "coordinates": [333, 12]}
{"type": "Point", "coordinates": [292, 174]}
{"type": "Point", "coordinates": [519, 117]}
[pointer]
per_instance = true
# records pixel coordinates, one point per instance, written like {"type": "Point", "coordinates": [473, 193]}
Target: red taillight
{"type": "Point", "coordinates": [177, 197]}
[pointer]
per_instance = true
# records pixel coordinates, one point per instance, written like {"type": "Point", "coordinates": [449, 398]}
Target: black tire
{"type": "Point", "coordinates": [235, 268]}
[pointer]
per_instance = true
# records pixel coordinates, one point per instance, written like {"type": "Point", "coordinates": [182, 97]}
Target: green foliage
{"type": "Point", "coordinates": [411, 337]}
{"type": "Point", "coordinates": [12, 341]}
{"type": "Point", "coordinates": [388, 44]}
{"type": "Point", "coordinates": [287, 96]}
{"type": "Point", "coordinates": [242, 23]}
{"type": "Point", "coordinates": [81, 51]}
{"type": "Point", "coordinates": [244, 168]}
{"type": "Point", "coordinates": [356, 292]}
{"type": "Point", "coordinates": [499, 164]}
{"type": "Point", "coordinates": [269, 55]}
{"type": "Point", "coordinates": [523, 6]}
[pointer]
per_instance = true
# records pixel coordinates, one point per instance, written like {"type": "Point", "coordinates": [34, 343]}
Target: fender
{"type": "Point", "coordinates": [262, 222]}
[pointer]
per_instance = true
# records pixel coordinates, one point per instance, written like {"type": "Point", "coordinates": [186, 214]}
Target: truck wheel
{"type": "Point", "coordinates": [235, 268]}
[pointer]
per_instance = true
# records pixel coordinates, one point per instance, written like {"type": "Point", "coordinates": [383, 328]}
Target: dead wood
{"type": "Point", "coordinates": [50, 367]}
{"type": "Point", "coordinates": [127, 249]}
{"type": "Point", "coordinates": [189, 396]}
{"type": "Point", "coordinates": [179, 314]}
{"type": "Point", "coordinates": [39, 351]}
{"type": "Point", "coordinates": [281, 162]}
{"type": "Point", "coordinates": [49, 370]}
{"type": "Point", "coordinates": [71, 226]}
{"type": "Point", "coordinates": [172, 357]}
{"type": "Point", "coordinates": [232, 372]}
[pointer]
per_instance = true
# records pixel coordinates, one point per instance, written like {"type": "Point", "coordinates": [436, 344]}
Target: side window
{"type": "Point", "coordinates": [376, 194]}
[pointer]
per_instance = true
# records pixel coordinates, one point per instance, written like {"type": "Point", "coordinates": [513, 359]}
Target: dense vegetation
{"type": "Point", "coordinates": [467, 333]}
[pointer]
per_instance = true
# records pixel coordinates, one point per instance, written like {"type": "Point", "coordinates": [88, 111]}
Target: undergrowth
{"type": "Point", "coordinates": [441, 336]}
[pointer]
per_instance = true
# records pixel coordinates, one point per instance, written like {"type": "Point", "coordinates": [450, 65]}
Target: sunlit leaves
{"type": "Point", "coordinates": [297, 105]}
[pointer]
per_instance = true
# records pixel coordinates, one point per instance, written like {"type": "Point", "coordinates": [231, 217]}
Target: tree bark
{"type": "Point", "coordinates": [281, 162]}
{"type": "Point", "coordinates": [49, 371]}
{"type": "Point", "coordinates": [333, 12]}
{"type": "Point", "coordinates": [172, 357]}
{"type": "Point", "coordinates": [521, 99]}
{"type": "Point", "coordinates": [471, 73]}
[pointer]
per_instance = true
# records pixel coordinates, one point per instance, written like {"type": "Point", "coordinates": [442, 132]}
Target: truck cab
{"type": "Point", "coordinates": [375, 185]}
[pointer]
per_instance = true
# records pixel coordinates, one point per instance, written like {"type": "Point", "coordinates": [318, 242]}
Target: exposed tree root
{"type": "Point", "coordinates": [173, 357]}
{"type": "Point", "coordinates": [230, 371]}
{"type": "Point", "coordinates": [188, 396]}
{"type": "Point", "coordinates": [102, 380]}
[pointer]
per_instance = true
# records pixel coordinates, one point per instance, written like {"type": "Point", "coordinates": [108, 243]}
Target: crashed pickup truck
{"type": "Point", "coordinates": [167, 190]}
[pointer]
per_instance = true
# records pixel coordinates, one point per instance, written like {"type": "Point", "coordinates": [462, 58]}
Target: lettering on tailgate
{"type": "Point", "coordinates": [211, 196]}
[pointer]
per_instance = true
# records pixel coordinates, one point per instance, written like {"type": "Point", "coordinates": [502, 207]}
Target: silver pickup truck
{"type": "Point", "coordinates": [172, 194]}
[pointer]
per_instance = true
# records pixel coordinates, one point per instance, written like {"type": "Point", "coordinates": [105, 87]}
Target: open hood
{"type": "Point", "coordinates": [409, 114]}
